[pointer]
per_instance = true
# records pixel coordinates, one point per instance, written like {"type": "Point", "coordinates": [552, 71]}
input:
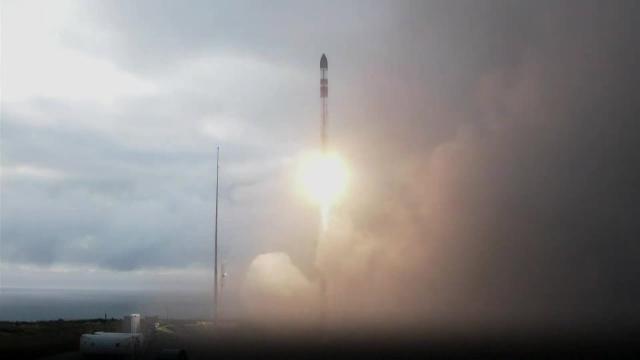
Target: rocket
{"type": "Point", "coordinates": [324, 94]}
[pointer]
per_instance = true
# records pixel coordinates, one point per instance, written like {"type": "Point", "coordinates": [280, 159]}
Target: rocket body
{"type": "Point", "coordinates": [324, 94]}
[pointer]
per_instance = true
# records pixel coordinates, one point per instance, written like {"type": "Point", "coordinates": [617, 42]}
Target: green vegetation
{"type": "Point", "coordinates": [41, 338]}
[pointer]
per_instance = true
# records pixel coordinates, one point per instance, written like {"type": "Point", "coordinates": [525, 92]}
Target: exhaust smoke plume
{"type": "Point", "coordinates": [276, 290]}
{"type": "Point", "coordinates": [491, 194]}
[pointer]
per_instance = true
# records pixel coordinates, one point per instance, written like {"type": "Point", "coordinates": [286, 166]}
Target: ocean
{"type": "Point", "coordinates": [53, 304]}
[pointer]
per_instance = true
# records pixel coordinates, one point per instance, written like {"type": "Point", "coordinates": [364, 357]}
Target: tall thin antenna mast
{"type": "Point", "coordinates": [223, 275]}
{"type": "Point", "coordinates": [215, 245]}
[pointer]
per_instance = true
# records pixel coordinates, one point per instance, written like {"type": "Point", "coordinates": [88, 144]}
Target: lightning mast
{"type": "Point", "coordinates": [215, 245]}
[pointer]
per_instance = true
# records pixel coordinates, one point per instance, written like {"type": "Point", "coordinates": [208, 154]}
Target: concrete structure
{"type": "Point", "coordinates": [129, 342]}
{"type": "Point", "coordinates": [105, 343]}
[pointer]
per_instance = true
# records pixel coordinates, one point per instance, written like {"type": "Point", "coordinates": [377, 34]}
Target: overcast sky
{"type": "Point", "coordinates": [493, 148]}
{"type": "Point", "coordinates": [111, 117]}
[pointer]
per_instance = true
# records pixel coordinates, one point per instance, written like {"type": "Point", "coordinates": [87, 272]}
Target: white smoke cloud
{"type": "Point", "coordinates": [275, 289]}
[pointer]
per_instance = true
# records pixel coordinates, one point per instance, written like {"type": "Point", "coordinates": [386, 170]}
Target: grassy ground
{"type": "Point", "coordinates": [29, 340]}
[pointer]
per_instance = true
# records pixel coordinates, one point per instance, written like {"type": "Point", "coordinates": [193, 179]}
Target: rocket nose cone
{"type": "Point", "coordinates": [323, 62]}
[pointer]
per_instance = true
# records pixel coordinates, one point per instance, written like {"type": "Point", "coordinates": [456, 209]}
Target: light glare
{"type": "Point", "coordinates": [323, 178]}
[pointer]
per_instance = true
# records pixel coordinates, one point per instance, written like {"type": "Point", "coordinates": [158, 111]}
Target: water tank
{"type": "Point", "coordinates": [131, 323]}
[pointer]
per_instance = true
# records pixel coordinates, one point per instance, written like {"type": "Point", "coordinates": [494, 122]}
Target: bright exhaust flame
{"type": "Point", "coordinates": [323, 178]}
